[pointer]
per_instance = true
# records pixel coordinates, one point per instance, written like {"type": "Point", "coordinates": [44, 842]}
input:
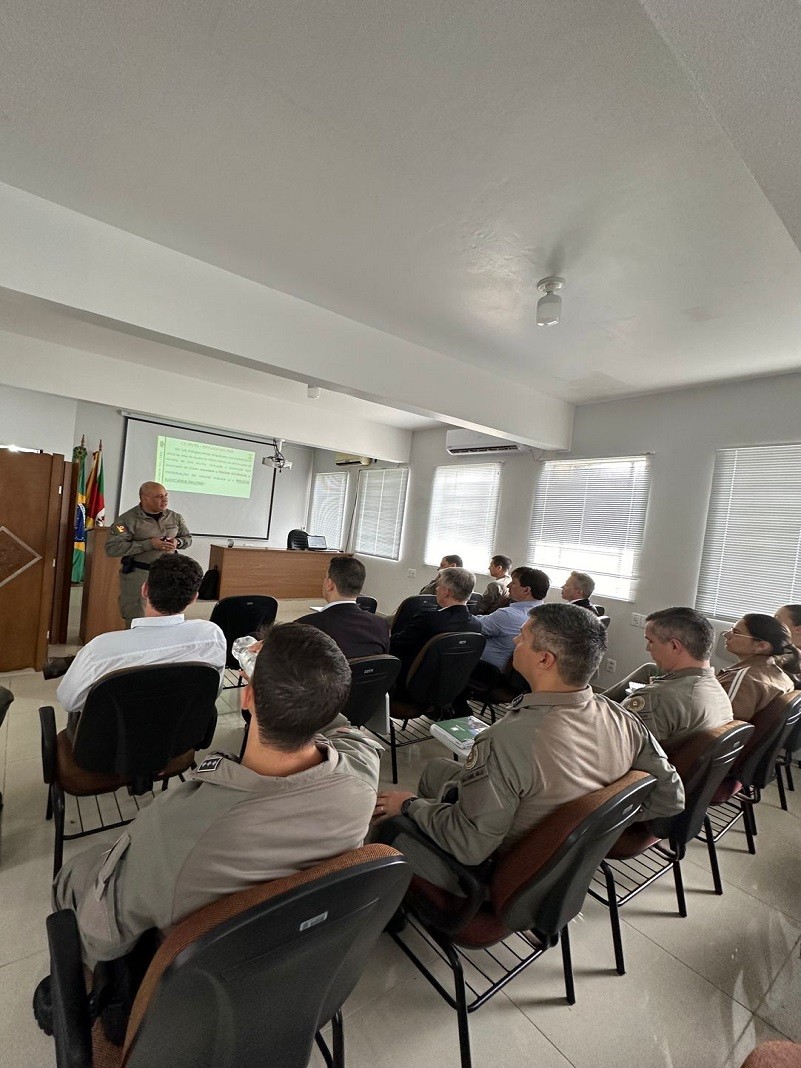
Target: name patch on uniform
{"type": "Point", "coordinates": [210, 763]}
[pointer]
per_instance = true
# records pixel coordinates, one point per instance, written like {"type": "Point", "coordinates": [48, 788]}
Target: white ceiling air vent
{"type": "Point", "coordinates": [343, 460]}
{"type": "Point", "coordinates": [469, 443]}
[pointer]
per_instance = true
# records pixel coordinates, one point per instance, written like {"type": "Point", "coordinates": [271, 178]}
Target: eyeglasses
{"type": "Point", "coordinates": [738, 634]}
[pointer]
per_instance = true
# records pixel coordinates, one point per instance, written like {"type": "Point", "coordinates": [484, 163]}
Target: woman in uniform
{"type": "Point", "coordinates": [767, 658]}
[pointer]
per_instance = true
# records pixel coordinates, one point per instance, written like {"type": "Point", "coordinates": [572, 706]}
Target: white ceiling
{"type": "Point", "coordinates": [418, 165]}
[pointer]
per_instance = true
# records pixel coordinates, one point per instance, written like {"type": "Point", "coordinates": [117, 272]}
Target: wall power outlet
{"type": "Point", "coordinates": [611, 665]}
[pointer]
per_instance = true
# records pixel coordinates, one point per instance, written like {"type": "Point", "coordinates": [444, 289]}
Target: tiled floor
{"type": "Point", "coordinates": [699, 992]}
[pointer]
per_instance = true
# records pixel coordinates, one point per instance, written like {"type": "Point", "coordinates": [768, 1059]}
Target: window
{"type": "Point", "coordinates": [379, 511]}
{"type": "Point", "coordinates": [752, 545]}
{"type": "Point", "coordinates": [327, 512]}
{"type": "Point", "coordinates": [589, 515]}
{"type": "Point", "coordinates": [464, 510]}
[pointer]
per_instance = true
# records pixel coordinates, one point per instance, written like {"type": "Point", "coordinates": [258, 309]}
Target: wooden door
{"type": "Point", "coordinates": [30, 503]}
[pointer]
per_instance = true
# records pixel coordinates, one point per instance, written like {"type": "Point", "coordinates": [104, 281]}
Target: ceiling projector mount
{"type": "Point", "coordinates": [549, 306]}
{"type": "Point", "coordinates": [277, 461]}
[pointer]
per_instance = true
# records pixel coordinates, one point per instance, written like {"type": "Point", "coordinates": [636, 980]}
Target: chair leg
{"type": "Point", "coordinates": [788, 770]}
{"type": "Point", "coordinates": [748, 825]}
{"type": "Point", "coordinates": [614, 917]}
{"type": "Point", "coordinates": [58, 823]}
{"type": "Point", "coordinates": [338, 1040]}
{"type": "Point", "coordinates": [393, 752]}
{"type": "Point", "coordinates": [49, 809]}
{"type": "Point", "coordinates": [713, 856]}
{"type": "Point", "coordinates": [679, 881]}
{"type": "Point", "coordinates": [780, 786]}
{"type": "Point", "coordinates": [567, 965]}
{"type": "Point", "coordinates": [460, 995]}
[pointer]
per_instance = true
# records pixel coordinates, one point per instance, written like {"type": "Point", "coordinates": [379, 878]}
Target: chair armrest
{"type": "Point", "coordinates": [473, 880]}
{"type": "Point", "coordinates": [47, 721]}
{"type": "Point", "coordinates": [72, 1027]}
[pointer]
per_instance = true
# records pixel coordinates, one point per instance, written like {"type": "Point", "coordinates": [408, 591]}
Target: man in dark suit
{"type": "Point", "coordinates": [454, 586]}
{"type": "Point", "coordinates": [578, 589]}
{"type": "Point", "coordinates": [357, 633]}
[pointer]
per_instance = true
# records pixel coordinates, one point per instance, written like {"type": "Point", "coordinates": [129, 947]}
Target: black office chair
{"type": "Point", "coordinates": [410, 607]}
{"type": "Point", "coordinates": [138, 726]}
{"type": "Point", "coordinates": [371, 679]}
{"type": "Point", "coordinates": [740, 793]}
{"type": "Point", "coordinates": [514, 909]}
{"type": "Point", "coordinates": [292, 950]}
{"type": "Point", "coordinates": [367, 604]}
{"type": "Point", "coordinates": [603, 620]}
{"type": "Point", "coordinates": [599, 609]}
{"type": "Point", "coordinates": [792, 743]}
{"type": "Point", "coordinates": [297, 539]}
{"type": "Point", "coordinates": [647, 851]}
{"type": "Point", "coordinates": [473, 601]}
{"type": "Point", "coordinates": [438, 675]}
{"type": "Point", "coordinates": [237, 616]}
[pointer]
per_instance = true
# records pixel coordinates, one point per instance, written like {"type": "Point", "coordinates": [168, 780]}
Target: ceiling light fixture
{"type": "Point", "coordinates": [549, 306]}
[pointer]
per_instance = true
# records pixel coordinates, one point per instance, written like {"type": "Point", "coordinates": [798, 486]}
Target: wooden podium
{"type": "Point", "coordinates": [100, 611]}
{"type": "Point", "coordinates": [276, 572]}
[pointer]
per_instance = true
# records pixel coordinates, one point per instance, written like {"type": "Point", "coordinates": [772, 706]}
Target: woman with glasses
{"type": "Point", "coordinates": [763, 647]}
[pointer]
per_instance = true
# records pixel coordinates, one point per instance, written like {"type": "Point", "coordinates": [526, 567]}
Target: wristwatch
{"type": "Point", "coordinates": [405, 805]}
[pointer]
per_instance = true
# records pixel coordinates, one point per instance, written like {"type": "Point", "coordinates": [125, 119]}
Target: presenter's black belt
{"type": "Point", "coordinates": [141, 567]}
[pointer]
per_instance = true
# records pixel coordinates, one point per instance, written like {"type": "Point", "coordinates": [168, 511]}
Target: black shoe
{"type": "Point", "coordinates": [43, 1005]}
{"type": "Point", "coordinates": [56, 666]}
{"type": "Point", "coordinates": [6, 699]}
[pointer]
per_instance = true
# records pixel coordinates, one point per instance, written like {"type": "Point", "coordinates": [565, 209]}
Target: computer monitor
{"type": "Point", "coordinates": [317, 541]}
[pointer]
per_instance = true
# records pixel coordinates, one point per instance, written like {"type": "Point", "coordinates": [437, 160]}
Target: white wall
{"type": "Point", "coordinates": [33, 421]}
{"type": "Point", "coordinates": [682, 430]}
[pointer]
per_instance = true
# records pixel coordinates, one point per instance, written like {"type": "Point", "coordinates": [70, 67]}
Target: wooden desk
{"type": "Point", "coordinates": [276, 572]}
{"type": "Point", "coordinates": [100, 611]}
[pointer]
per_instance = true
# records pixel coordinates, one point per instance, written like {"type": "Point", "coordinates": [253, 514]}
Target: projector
{"type": "Point", "coordinates": [278, 463]}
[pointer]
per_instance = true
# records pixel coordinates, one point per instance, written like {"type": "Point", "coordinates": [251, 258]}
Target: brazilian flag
{"type": "Point", "coordinates": [79, 549]}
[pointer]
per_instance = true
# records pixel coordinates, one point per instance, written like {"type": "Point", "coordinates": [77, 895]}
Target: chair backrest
{"type": "Point", "coordinates": [367, 604]}
{"type": "Point", "coordinates": [473, 602]}
{"type": "Point", "coordinates": [371, 678]}
{"type": "Point", "coordinates": [599, 609]}
{"type": "Point", "coordinates": [541, 883]}
{"type": "Point", "coordinates": [757, 763]}
{"type": "Point", "coordinates": [249, 979]}
{"type": "Point", "coordinates": [793, 739]}
{"type": "Point", "coordinates": [297, 539]}
{"type": "Point", "coordinates": [407, 609]}
{"type": "Point", "coordinates": [703, 761]}
{"type": "Point", "coordinates": [604, 621]}
{"type": "Point", "coordinates": [237, 616]}
{"type": "Point", "coordinates": [137, 720]}
{"type": "Point", "coordinates": [442, 668]}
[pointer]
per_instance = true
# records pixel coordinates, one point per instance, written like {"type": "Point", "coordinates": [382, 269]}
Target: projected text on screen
{"type": "Point", "coordinates": [195, 467]}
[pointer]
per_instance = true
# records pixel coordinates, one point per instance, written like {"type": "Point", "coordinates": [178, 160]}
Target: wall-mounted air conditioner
{"type": "Point", "coordinates": [469, 443]}
{"type": "Point", "coordinates": [343, 460]}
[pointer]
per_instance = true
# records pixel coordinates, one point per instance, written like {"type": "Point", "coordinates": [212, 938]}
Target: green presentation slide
{"type": "Point", "coordinates": [195, 467]}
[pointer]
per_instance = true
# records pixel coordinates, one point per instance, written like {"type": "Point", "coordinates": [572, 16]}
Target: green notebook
{"type": "Point", "coordinates": [462, 730]}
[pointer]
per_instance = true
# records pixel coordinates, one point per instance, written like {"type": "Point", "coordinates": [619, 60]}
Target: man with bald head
{"type": "Point", "coordinates": [140, 536]}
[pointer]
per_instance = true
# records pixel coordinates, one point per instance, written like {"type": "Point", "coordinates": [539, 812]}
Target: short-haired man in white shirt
{"type": "Point", "coordinates": [161, 636]}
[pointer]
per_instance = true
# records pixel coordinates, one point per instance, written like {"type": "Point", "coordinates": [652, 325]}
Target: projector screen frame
{"type": "Point", "coordinates": [129, 416]}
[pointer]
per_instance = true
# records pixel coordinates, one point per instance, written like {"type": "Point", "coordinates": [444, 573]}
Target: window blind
{"type": "Point", "coordinates": [464, 511]}
{"type": "Point", "coordinates": [752, 545]}
{"type": "Point", "coordinates": [327, 513]}
{"type": "Point", "coordinates": [379, 512]}
{"type": "Point", "coordinates": [589, 515]}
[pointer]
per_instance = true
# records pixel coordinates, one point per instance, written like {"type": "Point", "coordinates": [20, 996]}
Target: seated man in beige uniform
{"type": "Point", "coordinates": [304, 791]}
{"type": "Point", "coordinates": [556, 744]}
{"type": "Point", "coordinates": [680, 695]}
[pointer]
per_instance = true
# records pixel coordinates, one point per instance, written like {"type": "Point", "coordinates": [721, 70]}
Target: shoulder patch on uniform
{"type": "Point", "coordinates": [119, 528]}
{"type": "Point", "coordinates": [634, 704]}
{"type": "Point", "coordinates": [472, 759]}
{"type": "Point", "coordinates": [210, 763]}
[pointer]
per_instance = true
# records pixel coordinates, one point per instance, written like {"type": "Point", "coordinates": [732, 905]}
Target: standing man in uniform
{"type": "Point", "coordinates": [554, 745]}
{"type": "Point", "coordinates": [140, 536]}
